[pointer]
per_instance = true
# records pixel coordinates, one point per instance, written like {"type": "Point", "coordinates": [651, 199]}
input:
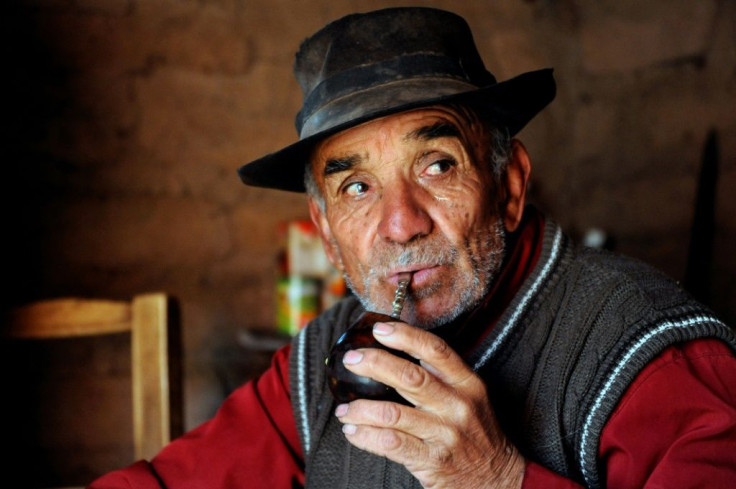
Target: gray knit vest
{"type": "Point", "coordinates": [581, 327]}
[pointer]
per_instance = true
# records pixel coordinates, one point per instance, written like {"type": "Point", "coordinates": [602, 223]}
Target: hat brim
{"type": "Point", "coordinates": [511, 104]}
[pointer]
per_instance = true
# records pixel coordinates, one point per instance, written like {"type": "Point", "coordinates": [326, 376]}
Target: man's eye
{"type": "Point", "coordinates": [355, 189]}
{"type": "Point", "coordinates": [440, 166]}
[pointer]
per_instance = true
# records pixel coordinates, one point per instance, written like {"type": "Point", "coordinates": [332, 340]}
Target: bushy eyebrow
{"type": "Point", "coordinates": [335, 165]}
{"type": "Point", "coordinates": [440, 129]}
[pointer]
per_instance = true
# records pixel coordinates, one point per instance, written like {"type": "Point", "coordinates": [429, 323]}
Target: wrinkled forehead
{"type": "Point", "coordinates": [425, 123]}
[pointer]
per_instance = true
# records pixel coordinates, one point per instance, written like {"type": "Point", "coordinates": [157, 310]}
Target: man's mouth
{"type": "Point", "coordinates": [421, 275]}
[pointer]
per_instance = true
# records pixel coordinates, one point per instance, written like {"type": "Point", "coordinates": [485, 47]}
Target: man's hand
{"type": "Point", "coordinates": [450, 438]}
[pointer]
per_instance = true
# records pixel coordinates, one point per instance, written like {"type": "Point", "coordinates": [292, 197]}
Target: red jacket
{"type": "Point", "coordinates": [674, 427]}
{"type": "Point", "coordinates": [252, 441]}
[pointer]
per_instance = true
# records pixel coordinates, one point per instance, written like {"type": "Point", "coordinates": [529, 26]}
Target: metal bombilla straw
{"type": "Point", "coordinates": [400, 294]}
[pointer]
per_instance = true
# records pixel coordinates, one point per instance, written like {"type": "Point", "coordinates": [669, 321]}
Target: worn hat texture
{"type": "Point", "coordinates": [370, 65]}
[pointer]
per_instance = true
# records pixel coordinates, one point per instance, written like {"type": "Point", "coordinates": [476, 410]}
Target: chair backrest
{"type": "Point", "coordinates": [152, 320]}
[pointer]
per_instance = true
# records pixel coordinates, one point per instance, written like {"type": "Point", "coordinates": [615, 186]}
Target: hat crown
{"type": "Point", "coordinates": [375, 64]}
{"type": "Point", "coordinates": [363, 51]}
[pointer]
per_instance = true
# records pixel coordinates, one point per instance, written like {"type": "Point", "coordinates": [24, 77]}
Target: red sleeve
{"type": "Point", "coordinates": [251, 442]}
{"type": "Point", "coordinates": [674, 427]}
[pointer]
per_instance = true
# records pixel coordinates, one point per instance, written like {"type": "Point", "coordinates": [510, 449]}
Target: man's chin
{"type": "Point", "coordinates": [427, 315]}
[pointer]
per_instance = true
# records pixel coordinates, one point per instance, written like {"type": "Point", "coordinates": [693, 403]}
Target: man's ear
{"type": "Point", "coordinates": [516, 178]}
{"type": "Point", "coordinates": [320, 221]}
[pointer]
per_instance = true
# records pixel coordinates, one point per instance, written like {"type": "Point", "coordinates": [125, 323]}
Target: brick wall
{"type": "Point", "coordinates": [127, 120]}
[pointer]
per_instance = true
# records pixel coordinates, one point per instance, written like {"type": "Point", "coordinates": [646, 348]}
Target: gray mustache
{"type": "Point", "coordinates": [434, 253]}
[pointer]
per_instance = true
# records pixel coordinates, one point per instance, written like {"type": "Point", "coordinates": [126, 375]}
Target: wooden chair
{"type": "Point", "coordinates": [152, 320]}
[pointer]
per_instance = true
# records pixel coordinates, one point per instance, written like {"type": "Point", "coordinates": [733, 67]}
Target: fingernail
{"type": "Point", "coordinates": [352, 357]}
{"type": "Point", "coordinates": [349, 429]}
{"type": "Point", "coordinates": [383, 329]}
{"type": "Point", "coordinates": [341, 410]}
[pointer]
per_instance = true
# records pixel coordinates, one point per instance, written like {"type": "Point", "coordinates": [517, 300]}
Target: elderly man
{"type": "Point", "coordinates": [537, 363]}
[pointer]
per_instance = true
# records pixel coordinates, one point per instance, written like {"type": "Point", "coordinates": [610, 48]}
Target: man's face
{"type": "Point", "coordinates": [412, 192]}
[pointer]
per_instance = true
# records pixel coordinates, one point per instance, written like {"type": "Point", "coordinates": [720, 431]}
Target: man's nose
{"type": "Point", "coordinates": [403, 216]}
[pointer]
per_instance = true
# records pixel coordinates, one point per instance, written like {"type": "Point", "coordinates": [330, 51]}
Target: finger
{"type": "Point", "coordinates": [433, 352]}
{"type": "Point", "coordinates": [413, 382]}
{"type": "Point", "coordinates": [395, 445]}
{"type": "Point", "coordinates": [423, 459]}
{"type": "Point", "coordinates": [390, 415]}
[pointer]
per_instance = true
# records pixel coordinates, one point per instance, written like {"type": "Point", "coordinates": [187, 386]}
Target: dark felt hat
{"type": "Point", "coordinates": [365, 66]}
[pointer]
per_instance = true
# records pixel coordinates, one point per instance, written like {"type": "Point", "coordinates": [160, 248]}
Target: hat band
{"type": "Point", "coordinates": [399, 68]}
{"type": "Point", "coordinates": [382, 100]}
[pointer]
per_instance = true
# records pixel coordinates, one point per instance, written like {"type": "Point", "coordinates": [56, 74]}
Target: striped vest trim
{"type": "Point", "coordinates": [580, 329]}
